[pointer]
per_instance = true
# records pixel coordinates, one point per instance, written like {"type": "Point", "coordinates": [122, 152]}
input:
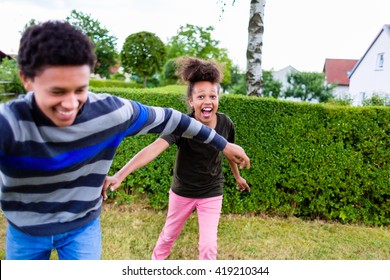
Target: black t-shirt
{"type": "Point", "coordinates": [198, 167]}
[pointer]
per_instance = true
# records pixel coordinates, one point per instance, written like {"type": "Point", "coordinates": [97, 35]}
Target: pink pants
{"type": "Point", "coordinates": [179, 209]}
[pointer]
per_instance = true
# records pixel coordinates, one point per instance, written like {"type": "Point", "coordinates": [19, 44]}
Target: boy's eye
{"type": "Point", "coordinates": [56, 92]}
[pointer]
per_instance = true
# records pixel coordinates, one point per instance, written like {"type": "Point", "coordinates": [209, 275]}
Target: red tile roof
{"type": "Point", "coordinates": [336, 70]}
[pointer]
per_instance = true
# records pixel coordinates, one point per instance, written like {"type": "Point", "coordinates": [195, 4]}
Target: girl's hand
{"type": "Point", "coordinates": [242, 185]}
{"type": "Point", "coordinates": [112, 182]}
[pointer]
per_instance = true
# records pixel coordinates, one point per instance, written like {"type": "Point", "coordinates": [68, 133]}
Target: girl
{"type": "Point", "coordinates": [198, 179]}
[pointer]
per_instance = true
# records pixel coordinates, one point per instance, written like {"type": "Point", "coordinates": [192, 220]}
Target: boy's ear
{"type": "Point", "coordinates": [26, 81]}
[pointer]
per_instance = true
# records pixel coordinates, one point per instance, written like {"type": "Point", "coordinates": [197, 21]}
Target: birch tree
{"type": "Point", "coordinates": [254, 48]}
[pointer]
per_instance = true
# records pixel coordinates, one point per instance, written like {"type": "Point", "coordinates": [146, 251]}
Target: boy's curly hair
{"type": "Point", "coordinates": [54, 43]}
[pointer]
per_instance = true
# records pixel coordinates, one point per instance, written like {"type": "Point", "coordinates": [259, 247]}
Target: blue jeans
{"type": "Point", "coordinates": [83, 243]}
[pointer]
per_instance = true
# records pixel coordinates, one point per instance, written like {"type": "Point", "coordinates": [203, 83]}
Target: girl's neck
{"type": "Point", "coordinates": [212, 123]}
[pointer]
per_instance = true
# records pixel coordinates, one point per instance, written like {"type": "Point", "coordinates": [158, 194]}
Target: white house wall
{"type": "Point", "coordinates": [366, 79]}
{"type": "Point", "coordinates": [341, 91]}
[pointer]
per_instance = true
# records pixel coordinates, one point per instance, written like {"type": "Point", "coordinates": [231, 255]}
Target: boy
{"type": "Point", "coordinates": [57, 144]}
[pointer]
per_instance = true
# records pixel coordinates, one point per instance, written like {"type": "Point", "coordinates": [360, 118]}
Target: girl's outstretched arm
{"type": "Point", "coordinates": [141, 159]}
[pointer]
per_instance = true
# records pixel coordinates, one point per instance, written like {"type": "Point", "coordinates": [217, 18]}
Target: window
{"type": "Point", "coordinates": [380, 61]}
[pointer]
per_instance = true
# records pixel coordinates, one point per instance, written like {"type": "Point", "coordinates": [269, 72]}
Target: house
{"type": "Point", "coordinates": [371, 74]}
{"type": "Point", "coordinates": [4, 55]}
{"type": "Point", "coordinates": [337, 73]}
{"type": "Point", "coordinates": [282, 74]}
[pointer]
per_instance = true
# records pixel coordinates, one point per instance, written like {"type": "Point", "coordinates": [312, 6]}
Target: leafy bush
{"type": "Point", "coordinates": [9, 77]}
{"type": "Point", "coordinates": [307, 160]}
{"type": "Point", "coordinates": [377, 100]}
{"type": "Point", "coordinates": [112, 83]}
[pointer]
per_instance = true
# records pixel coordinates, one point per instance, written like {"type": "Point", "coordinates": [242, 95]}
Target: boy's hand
{"type": "Point", "coordinates": [237, 154]}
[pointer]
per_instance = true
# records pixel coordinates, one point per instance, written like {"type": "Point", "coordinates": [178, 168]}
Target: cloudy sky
{"type": "Point", "coordinates": [300, 33]}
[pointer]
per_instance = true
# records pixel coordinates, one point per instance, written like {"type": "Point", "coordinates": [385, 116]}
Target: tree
{"type": "Point", "coordinates": [192, 40]}
{"type": "Point", "coordinates": [196, 41]}
{"type": "Point", "coordinates": [104, 43]}
{"type": "Point", "coordinates": [309, 86]}
{"type": "Point", "coordinates": [143, 54]}
{"type": "Point", "coordinates": [169, 76]}
{"type": "Point", "coordinates": [271, 87]}
{"type": "Point", "coordinates": [254, 48]}
{"type": "Point", "coordinates": [28, 24]}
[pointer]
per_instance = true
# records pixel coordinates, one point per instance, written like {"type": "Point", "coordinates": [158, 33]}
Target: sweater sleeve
{"type": "Point", "coordinates": [170, 121]}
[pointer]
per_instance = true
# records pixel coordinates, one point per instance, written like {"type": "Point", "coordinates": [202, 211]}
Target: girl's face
{"type": "Point", "coordinates": [204, 101]}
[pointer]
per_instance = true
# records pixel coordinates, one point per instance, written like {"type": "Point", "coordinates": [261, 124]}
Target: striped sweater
{"type": "Point", "coordinates": [51, 177]}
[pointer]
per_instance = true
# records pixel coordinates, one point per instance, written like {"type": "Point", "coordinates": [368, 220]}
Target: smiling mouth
{"type": "Point", "coordinates": [66, 113]}
{"type": "Point", "coordinates": [206, 112]}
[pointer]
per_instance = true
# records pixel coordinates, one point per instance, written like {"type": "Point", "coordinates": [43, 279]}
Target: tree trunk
{"type": "Point", "coordinates": [145, 81]}
{"type": "Point", "coordinates": [254, 49]}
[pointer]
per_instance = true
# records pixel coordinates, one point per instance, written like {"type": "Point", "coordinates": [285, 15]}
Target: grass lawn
{"type": "Point", "coordinates": [130, 233]}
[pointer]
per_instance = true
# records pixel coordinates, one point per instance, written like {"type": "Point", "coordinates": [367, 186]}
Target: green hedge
{"type": "Point", "coordinates": [112, 83]}
{"type": "Point", "coordinates": [307, 160]}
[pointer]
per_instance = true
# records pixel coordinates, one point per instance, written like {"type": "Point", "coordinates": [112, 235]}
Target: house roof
{"type": "Point", "coordinates": [337, 70]}
{"type": "Point", "coordinates": [4, 55]}
{"type": "Point", "coordinates": [385, 28]}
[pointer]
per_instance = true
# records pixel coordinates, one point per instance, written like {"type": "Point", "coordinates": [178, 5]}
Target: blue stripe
{"type": "Point", "coordinates": [59, 227]}
{"type": "Point", "coordinates": [67, 159]}
{"type": "Point", "coordinates": [160, 128]}
{"type": "Point", "coordinates": [140, 120]}
{"type": "Point", "coordinates": [62, 160]}
{"type": "Point", "coordinates": [182, 126]}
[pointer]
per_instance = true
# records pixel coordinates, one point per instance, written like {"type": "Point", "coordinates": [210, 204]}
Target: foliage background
{"type": "Point", "coordinates": [307, 160]}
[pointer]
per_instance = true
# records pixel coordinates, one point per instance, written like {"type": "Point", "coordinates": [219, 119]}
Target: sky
{"type": "Point", "coordinates": [299, 33]}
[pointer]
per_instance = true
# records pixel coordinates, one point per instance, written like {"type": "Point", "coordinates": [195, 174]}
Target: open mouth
{"type": "Point", "coordinates": [206, 112]}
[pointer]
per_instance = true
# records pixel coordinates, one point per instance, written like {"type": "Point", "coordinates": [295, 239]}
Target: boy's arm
{"type": "Point", "coordinates": [169, 121]}
{"type": "Point", "coordinates": [141, 159]}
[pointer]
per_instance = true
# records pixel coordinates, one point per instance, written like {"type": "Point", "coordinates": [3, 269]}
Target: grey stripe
{"type": "Point", "coordinates": [71, 133]}
{"type": "Point", "coordinates": [172, 123]}
{"type": "Point", "coordinates": [193, 129]}
{"type": "Point", "coordinates": [61, 195]}
{"type": "Point", "coordinates": [160, 115]}
{"type": "Point", "coordinates": [23, 219]}
{"type": "Point", "coordinates": [99, 167]}
{"type": "Point", "coordinates": [211, 136]}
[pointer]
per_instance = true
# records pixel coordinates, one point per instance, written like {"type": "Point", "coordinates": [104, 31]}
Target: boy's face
{"type": "Point", "coordinates": [60, 91]}
{"type": "Point", "coordinates": [205, 100]}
